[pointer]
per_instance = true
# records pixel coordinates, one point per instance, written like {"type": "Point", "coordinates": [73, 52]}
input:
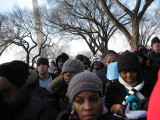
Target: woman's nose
{"type": "Point", "coordinates": [88, 106]}
{"type": "Point", "coordinates": [128, 74]}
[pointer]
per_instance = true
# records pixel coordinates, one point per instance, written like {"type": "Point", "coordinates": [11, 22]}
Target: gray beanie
{"type": "Point", "coordinates": [83, 81]}
{"type": "Point", "coordinates": [72, 65]}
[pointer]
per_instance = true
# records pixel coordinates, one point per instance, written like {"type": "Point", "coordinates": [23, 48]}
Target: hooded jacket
{"type": "Point", "coordinates": [63, 56]}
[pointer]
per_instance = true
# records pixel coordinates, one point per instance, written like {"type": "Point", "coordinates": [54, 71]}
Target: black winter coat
{"type": "Point", "coordinates": [116, 93]}
{"type": "Point", "coordinates": [102, 75]}
{"type": "Point", "coordinates": [155, 57]}
{"type": "Point", "coordinates": [23, 106]}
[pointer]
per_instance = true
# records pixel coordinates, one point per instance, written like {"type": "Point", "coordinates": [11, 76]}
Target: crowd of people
{"type": "Point", "coordinates": [114, 87]}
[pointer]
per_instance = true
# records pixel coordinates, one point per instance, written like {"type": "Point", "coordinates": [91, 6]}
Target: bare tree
{"type": "Point", "coordinates": [56, 50]}
{"type": "Point", "coordinates": [149, 26]}
{"type": "Point", "coordinates": [135, 12]}
{"type": "Point", "coordinates": [19, 29]}
{"type": "Point", "coordinates": [3, 34]}
{"type": "Point", "coordinates": [84, 19]}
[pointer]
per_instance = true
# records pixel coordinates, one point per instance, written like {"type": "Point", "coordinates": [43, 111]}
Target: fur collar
{"type": "Point", "coordinates": [32, 77]}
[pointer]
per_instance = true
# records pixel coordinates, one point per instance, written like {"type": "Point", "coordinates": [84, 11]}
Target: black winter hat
{"type": "Point", "coordinates": [53, 62]}
{"type": "Point", "coordinates": [43, 61]}
{"type": "Point", "coordinates": [63, 56]}
{"type": "Point", "coordinates": [86, 60]}
{"type": "Point", "coordinates": [80, 57]}
{"type": "Point", "coordinates": [128, 61]}
{"type": "Point", "coordinates": [154, 40]}
{"type": "Point", "coordinates": [15, 71]}
{"type": "Point", "coordinates": [108, 53]}
{"type": "Point", "coordinates": [140, 54]}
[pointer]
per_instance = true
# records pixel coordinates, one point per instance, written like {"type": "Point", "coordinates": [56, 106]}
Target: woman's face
{"type": "Point", "coordinates": [68, 76]}
{"type": "Point", "coordinates": [110, 59]}
{"type": "Point", "coordinates": [130, 77]}
{"type": "Point", "coordinates": [60, 63]}
{"type": "Point", "coordinates": [88, 105]}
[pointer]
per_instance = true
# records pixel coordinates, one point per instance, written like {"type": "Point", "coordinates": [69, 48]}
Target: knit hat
{"type": "Point", "coordinates": [128, 61]}
{"type": "Point", "coordinates": [72, 65]}
{"type": "Point", "coordinates": [53, 62]}
{"type": "Point", "coordinates": [83, 81]}
{"type": "Point", "coordinates": [43, 61]}
{"type": "Point", "coordinates": [86, 60]}
{"type": "Point", "coordinates": [109, 53]}
{"type": "Point", "coordinates": [15, 71]}
{"type": "Point", "coordinates": [154, 40]}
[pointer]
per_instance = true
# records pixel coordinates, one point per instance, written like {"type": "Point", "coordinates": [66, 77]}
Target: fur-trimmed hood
{"type": "Point", "coordinates": [32, 77]}
{"type": "Point", "coordinates": [53, 85]}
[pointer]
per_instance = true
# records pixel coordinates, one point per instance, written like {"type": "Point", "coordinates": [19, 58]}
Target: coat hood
{"type": "Point", "coordinates": [32, 77]}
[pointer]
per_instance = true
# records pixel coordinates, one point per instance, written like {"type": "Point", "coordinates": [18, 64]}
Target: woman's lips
{"type": "Point", "coordinates": [90, 117]}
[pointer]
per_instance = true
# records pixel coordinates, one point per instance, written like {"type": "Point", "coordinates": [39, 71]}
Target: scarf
{"type": "Point", "coordinates": [133, 95]}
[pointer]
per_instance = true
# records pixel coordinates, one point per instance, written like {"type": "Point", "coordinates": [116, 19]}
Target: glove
{"type": "Point", "coordinates": [132, 98]}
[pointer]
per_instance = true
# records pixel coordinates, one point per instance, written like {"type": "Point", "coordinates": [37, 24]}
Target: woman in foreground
{"type": "Point", "coordinates": [85, 95]}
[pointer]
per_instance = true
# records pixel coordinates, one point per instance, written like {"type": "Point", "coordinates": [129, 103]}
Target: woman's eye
{"type": "Point", "coordinates": [94, 99]}
{"type": "Point", "coordinates": [124, 72]}
{"type": "Point", "coordinates": [79, 101]}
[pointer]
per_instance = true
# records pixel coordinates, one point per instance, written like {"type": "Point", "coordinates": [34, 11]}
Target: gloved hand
{"type": "Point", "coordinates": [134, 106]}
{"type": "Point", "coordinates": [132, 98]}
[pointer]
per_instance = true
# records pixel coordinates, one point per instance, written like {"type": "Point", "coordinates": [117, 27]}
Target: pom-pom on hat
{"type": "Point", "coordinates": [15, 71]}
{"type": "Point", "coordinates": [128, 61]}
{"type": "Point", "coordinates": [43, 61]}
{"type": "Point", "coordinates": [72, 65]}
{"type": "Point", "coordinates": [154, 40]}
{"type": "Point", "coordinates": [84, 81]}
